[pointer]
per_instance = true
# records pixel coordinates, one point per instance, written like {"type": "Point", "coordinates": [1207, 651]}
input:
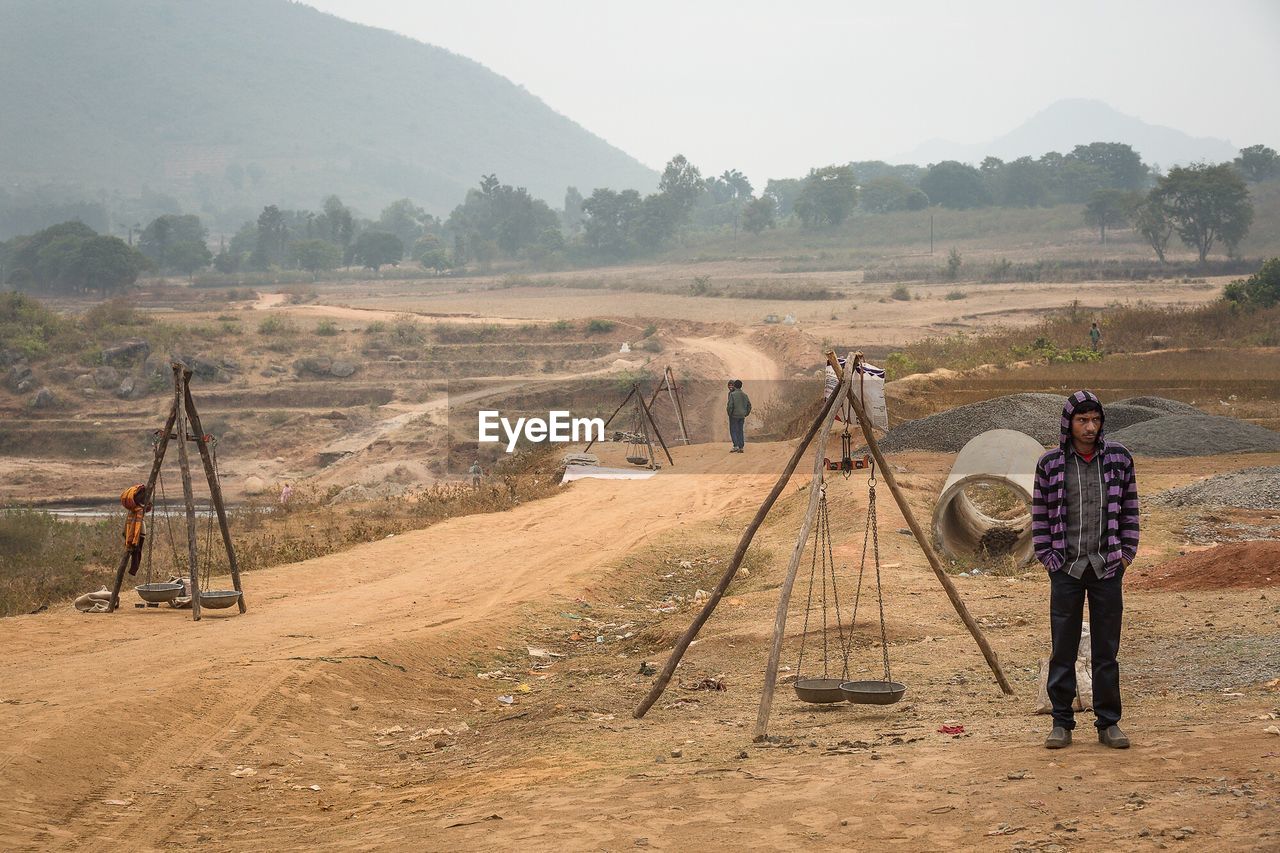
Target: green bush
{"type": "Point", "coordinates": [276, 325]}
{"type": "Point", "coordinates": [1260, 290]}
{"type": "Point", "coordinates": [953, 264]}
{"type": "Point", "coordinates": [900, 364]}
{"type": "Point", "coordinates": [326, 328]}
{"type": "Point", "coordinates": [955, 295]}
{"type": "Point", "coordinates": [901, 293]}
{"type": "Point", "coordinates": [599, 327]}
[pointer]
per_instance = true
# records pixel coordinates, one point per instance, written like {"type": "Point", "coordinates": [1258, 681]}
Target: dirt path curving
{"type": "Point", "coordinates": [143, 707]}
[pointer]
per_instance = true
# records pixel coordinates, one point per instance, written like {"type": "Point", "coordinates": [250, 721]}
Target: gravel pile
{"type": "Point", "coordinates": [1164, 404]}
{"type": "Point", "coordinates": [1151, 426]}
{"type": "Point", "coordinates": [1196, 435]}
{"type": "Point", "coordinates": [1035, 414]}
{"type": "Point", "coordinates": [1122, 415]}
{"type": "Point", "coordinates": [1252, 488]}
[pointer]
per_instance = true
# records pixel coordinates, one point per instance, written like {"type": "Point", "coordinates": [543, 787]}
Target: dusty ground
{"type": "Point", "coordinates": [356, 705]}
{"type": "Point", "coordinates": [865, 308]}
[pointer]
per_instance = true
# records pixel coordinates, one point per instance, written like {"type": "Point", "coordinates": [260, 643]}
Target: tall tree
{"type": "Point", "coordinates": [572, 216]}
{"type": "Point", "coordinates": [375, 249]}
{"type": "Point", "coordinates": [1121, 165]}
{"type": "Point", "coordinates": [273, 238]}
{"type": "Point", "coordinates": [316, 256]}
{"type": "Point", "coordinates": [1206, 204]}
{"type": "Point", "coordinates": [498, 217]}
{"type": "Point", "coordinates": [682, 183]}
{"type": "Point", "coordinates": [1152, 221]}
{"type": "Point", "coordinates": [888, 193]}
{"type": "Point", "coordinates": [406, 220]}
{"type": "Point", "coordinates": [955, 185]}
{"type": "Point", "coordinates": [1108, 208]}
{"type": "Point", "coordinates": [107, 265]}
{"type": "Point", "coordinates": [176, 242]}
{"type": "Point", "coordinates": [337, 224]}
{"type": "Point", "coordinates": [829, 196]}
{"type": "Point", "coordinates": [759, 214]}
{"type": "Point", "coordinates": [1258, 163]}
{"type": "Point", "coordinates": [784, 192]}
{"type": "Point", "coordinates": [610, 215]}
{"type": "Point", "coordinates": [1023, 184]}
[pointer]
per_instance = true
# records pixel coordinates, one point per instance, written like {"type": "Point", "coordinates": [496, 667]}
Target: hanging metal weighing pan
{"type": "Point", "coordinates": [873, 692]}
{"type": "Point", "coordinates": [217, 599]}
{"type": "Point", "coordinates": [819, 691]}
{"type": "Point", "coordinates": [158, 592]}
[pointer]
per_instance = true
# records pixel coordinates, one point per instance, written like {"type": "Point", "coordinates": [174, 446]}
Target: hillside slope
{"type": "Point", "coordinates": [248, 102]}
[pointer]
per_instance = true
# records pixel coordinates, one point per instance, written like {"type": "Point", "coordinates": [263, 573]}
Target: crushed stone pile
{"type": "Point", "coordinates": [1123, 415]}
{"type": "Point", "coordinates": [1196, 435]}
{"type": "Point", "coordinates": [1037, 415]}
{"type": "Point", "coordinates": [1240, 565]}
{"type": "Point", "coordinates": [1150, 426]}
{"type": "Point", "coordinates": [1251, 488]}
{"type": "Point", "coordinates": [1164, 404]}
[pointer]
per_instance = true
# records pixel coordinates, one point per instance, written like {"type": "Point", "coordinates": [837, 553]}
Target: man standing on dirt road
{"type": "Point", "coordinates": [738, 407]}
{"type": "Point", "coordinates": [1084, 527]}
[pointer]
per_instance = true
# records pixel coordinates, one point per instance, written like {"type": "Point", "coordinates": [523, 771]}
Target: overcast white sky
{"type": "Point", "coordinates": [773, 88]}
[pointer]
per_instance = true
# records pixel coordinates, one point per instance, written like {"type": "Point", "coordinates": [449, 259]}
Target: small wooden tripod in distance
{"type": "Point", "coordinates": [181, 415]}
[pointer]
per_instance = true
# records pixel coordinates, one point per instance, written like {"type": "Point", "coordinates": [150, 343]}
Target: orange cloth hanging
{"type": "Point", "coordinates": [134, 500]}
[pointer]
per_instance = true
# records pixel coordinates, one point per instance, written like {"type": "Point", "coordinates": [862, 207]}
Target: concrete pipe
{"type": "Point", "coordinates": [998, 457]}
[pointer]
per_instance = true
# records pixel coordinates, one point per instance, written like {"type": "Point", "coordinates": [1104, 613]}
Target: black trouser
{"type": "Point", "coordinates": [1066, 607]}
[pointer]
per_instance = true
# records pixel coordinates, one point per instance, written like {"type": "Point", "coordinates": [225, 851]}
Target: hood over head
{"type": "Point", "coordinates": [1069, 409]}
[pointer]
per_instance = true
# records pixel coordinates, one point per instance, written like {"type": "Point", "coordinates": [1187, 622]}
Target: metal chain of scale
{"type": "Point", "coordinates": [822, 552]}
{"type": "Point", "coordinates": [870, 536]}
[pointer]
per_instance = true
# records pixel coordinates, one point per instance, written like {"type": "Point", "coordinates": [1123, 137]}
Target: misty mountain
{"type": "Point", "coordinates": [1077, 121]}
{"type": "Point", "coordinates": [239, 103]}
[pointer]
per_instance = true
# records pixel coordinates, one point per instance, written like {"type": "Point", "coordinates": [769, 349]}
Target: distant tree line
{"type": "Point", "coordinates": [70, 258]}
{"type": "Point", "coordinates": [1206, 206]}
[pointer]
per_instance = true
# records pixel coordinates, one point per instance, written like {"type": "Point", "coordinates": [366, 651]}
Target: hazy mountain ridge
{"type": "Point", "coordinates": [1078, 121]}
{"type": "Point", "coordinates": [246, 102]}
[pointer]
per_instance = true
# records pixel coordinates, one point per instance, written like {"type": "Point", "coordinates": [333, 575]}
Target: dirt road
{"type": "Point", "coordinates": [740, 359]}
{"type": "Point", "coordinates": [280, 301]}
{"type": "Point", "coordinates": [382, 698]}
{"type": "Point", "coordinates": [136, 708]}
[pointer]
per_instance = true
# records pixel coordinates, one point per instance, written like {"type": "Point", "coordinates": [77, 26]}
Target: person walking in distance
{"type": "Point", "coordinates": [474, 473]}
{"type": "Point", "coordinates": [738, 408]}
{"type": "Point", "coordinates": [1095, 336]}
{"type": "Point", "coordinates": [1084, 528]}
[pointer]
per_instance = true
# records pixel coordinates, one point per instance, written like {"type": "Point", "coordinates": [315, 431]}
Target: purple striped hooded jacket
{"type": "Point", "coordinates": [1049, 500]}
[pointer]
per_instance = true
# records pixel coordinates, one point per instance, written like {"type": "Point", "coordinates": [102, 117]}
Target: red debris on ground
{"type": "Point", "coordinates": [1239, 565]}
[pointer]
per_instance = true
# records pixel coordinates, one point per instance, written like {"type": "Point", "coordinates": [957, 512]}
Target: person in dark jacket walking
{"type": "Point", "coordinates": [1084, 528]}
{"type": "Point", "coordinates": [737, 407]}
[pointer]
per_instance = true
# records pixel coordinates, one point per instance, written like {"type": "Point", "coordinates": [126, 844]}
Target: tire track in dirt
{"type": "Point", "coordinates": [68, 673]}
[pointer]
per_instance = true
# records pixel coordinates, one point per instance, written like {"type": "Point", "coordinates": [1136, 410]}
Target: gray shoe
{"type": "Point", "coordinates": [1112, 736]}
{"type": "Point", "coordinates": [1058, 738]}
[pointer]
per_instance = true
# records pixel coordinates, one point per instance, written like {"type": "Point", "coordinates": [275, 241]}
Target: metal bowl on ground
{"type": "Point", "coordinates": [819, 691]}
{"type": "Point", "coordinates": [873, 692]}
{"type": "Point", "coordinates": [219, 598]}
{"type": "Point", "coordinates": [158, 592]}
